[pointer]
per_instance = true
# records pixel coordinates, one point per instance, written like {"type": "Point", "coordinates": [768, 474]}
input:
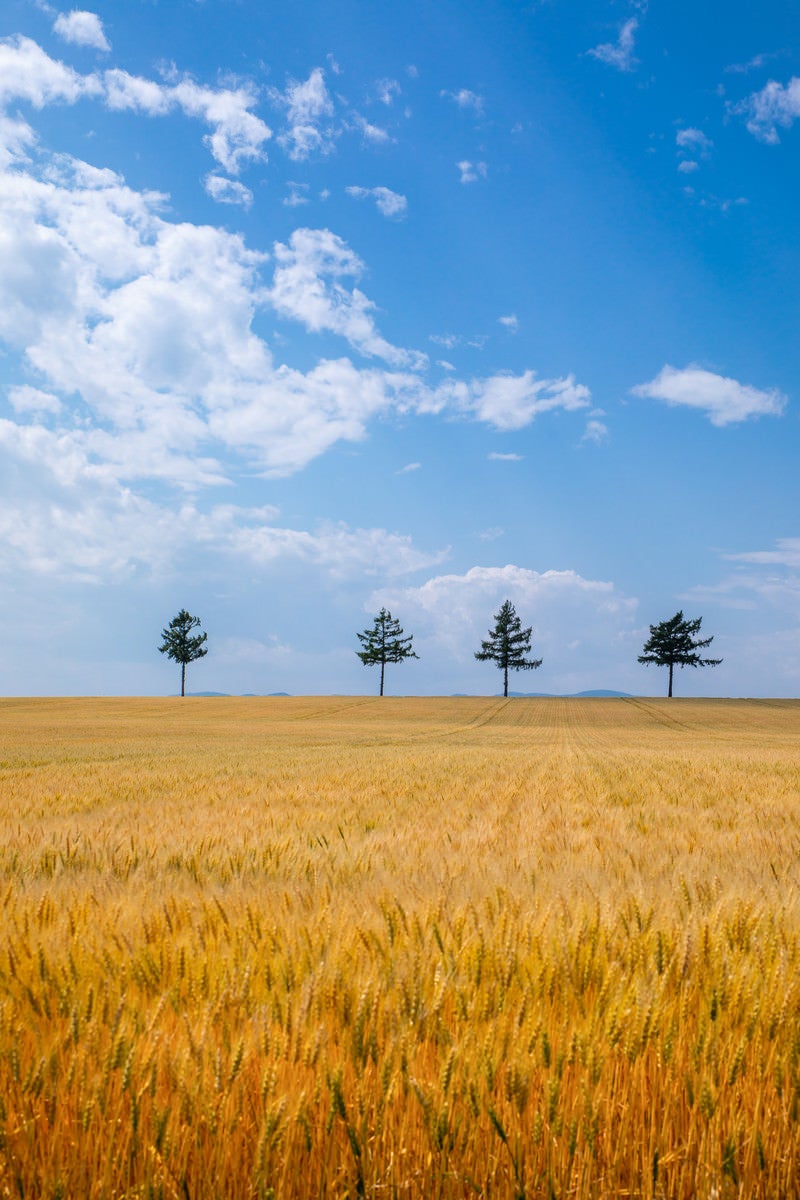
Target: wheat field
{"type": "Point", "coordinates": [348, 947]}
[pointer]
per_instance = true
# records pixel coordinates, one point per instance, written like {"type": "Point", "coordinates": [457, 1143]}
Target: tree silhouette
{"type": "Point", "coordinates": [507, 644]}
{"type": "Point", "coordinates": [178, 643]}
{"type": "Point", "coordinates": [673, 644]}
{"type": "Point", "coordinates": [384, 643]}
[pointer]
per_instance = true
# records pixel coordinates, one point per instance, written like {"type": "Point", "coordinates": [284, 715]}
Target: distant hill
{"type": "Point", "coordinates": [244, 695]}
{"type": "Point", "coordinates": [598, 692]}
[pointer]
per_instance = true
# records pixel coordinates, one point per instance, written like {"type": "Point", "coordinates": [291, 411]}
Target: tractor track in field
{"type": "Point", "coordinates": [656, 714]}
{"type": "Point", "coordinates": [331, 712]}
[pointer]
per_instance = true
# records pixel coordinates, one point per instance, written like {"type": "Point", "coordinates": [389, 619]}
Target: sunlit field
{"type": "Point", "coordinates": [351, 947]}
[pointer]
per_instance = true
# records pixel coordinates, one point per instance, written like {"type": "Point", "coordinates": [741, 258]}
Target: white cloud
{"type": "Point", "coordinates": [82, 29]}
{"type": "Point", "coordinates": [371, 133]}
{"type": "Point", "coordinates": [619, 54]}
{"type": "Point", "coordinates": [85, 526]}
{"type": "Point", "coordinates": [786, 553]}
{"type": "Point", "coordinates": [136, 337]}
{"type": "Point", "coordinates": [306, 288]}
{"type": "Point", "coordinates": [510, 402]}
{"type": "Point", "coordinates": [693, 141]}
{"type": "Point", "coordinates": [724, 401]}
{"type": "Point", "coordinates": [595, 432]}
{"type": "Point", "coordinates": [27, 73]}
{"type": "Point", "coordinates": [511, 322]}
{"type": "Point", "coordinates": [297, 194]}
{"type": "Point", "coordinates": [451, 613]}
{"type": "Point", "coordinates": [775, 107]}
{"type": "Point", "coordinates": [237, 135]}
{"type": "Point", "coordinates": [496, 456]}
{"type": "Point", "coordinates": [471, 172]}
{"type": "Point", "coordinates": [228, 191]}
{"type": "Point", "coordinates": [466, 99]}
{"type": "Point", "coordinates": [309, 112]}
{"type": "Point", "coordinates": [29, 399]}
{"type": "Point", "coordinates": [409, 468]}
{"type": "Point", "coordinates": [386, 90]}
{"type": "Point", "coordinates": [753, 64]}
{"type": "Point", "coordinates": [391, 204]}
{"type": "Point", "coordinates": [692, 145]}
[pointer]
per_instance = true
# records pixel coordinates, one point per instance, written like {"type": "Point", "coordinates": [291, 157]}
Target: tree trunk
{"type": "Point", "coordinates": [505, 682]}
{"type": "Point", "coordinates": [383, 668]}
{"type": "Point", "coordinates": [669, 693]}
{"type": "Point", "coordinates": [183, 680]}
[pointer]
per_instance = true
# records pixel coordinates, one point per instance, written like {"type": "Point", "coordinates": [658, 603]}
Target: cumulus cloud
{"type": "Point", "coordinates": [140, 363]}
{"type": "Point", "coordinates": [693, 141]}
{"type": "Point", "coordinates": [28, 74]}
{"type": "Point", "coordinates": [619, 54]}
{"type": "Point", "coordinates": [391, 204]}
{"type": "Point", "coordinates": [724, 401]}
{"type": "Point", "coordinates": [510, 402]}
{"type": "Point", "coordinates": [578, 623]}
{"type": "Point", "coordinates": [24, 399]}
{"type": "Point", "coordinates": [776, 106]}
{"type": "Point", "coordinates": [307, 287]}
{"type": "Point", "coordinates": [309, 111]}
{"type": "Point", "coordinates": [228, 191]}
{"type": "Point", "coordinates": [82, 29]}
{"type": "Point", "coordinates": [237, 135]}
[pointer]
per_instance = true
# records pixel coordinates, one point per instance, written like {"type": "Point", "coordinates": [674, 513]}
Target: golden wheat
{"type": "Point", "coordinates": [401, 948]}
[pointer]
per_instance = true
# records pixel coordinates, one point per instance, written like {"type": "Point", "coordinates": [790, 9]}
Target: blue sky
{"type": "Point", "coordinates": [307, 309]}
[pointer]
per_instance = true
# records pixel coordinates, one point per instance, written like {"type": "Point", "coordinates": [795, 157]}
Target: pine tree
{"type": "Point", "coordinates": [179, 644]}
{"type": "Point", "coordinates": [672, 644]}
{"type": "Point", "coordinates": [507, 644]}
{"type": "Point", "coordinates": [384, 643]}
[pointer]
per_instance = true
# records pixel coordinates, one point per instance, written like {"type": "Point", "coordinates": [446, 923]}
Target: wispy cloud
{"type": "Point", "coordinates": [511, 322]}
{"type": "Point", "coordinates": [724, 401]}
{"type": "Point", "coordinates": [409, 468]}
{"type": "Point", "coordinates": [619, 54]}
{"type": "Point", "coordinates": [472, 172]}
{"type": "Point", "coordinates": [391, 204]}
{"type": "Point", "coordinates": [386, 90]}
{"type": "Point", "coordinates": [373, 134]}
{"type": "Point", "coordinates": [496, 456]}
{"type": "Point", "coordinates": [465, 99]}
{"type": "Point", "coordinates": [596, 431]}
